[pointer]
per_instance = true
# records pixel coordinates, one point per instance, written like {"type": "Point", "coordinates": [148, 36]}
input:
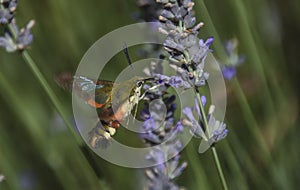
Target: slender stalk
{"type": "Point", "coordinates": [196, 166]}
{"type": "Point", "coordinates": [214, 151]}
{"type": "Point", "coordinates": [250, 118]}
{"type": "Point", "coordinates": [64, 172]}
{"type": "Point", "coordinates": [53, 98]}
{"type": "Point", "coordinates": [233, 166]}
{"type": "Point", "coordinates": [45, 85]}
{"type": "Point", "coordinates": [28, 59]}
{"type": "Point", "coordinates": [220, 171]}
{"type": "Point", "coordinates": [206, 128]}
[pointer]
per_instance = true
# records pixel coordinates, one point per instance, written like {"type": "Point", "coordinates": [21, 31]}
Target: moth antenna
{"type": "Point", "coordinates": [127, 55]}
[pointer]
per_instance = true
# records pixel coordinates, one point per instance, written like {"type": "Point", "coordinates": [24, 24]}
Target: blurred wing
{"type": "Point", "coordinates": [95, 93]}
{"type": "Point", "coordinates": [64, 80]}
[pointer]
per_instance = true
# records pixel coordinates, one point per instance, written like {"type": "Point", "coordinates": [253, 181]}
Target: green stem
{"type": "Point", "coordinates": [206, 128]}
{"type": "Point", "coordinates": [45, 85]}
{"type": "Point", "coordinates": [53, 98]}
{"type": "Point", "coordinates": [196, 165]}
{"type": "Point", "coordinates": [250, 118]}
{"type": "Point", "coordinates": [28, 59]}
{"type": "Point", "coordinates": [214, 151]}
{"type": "Point", "coordinates": [220, 171]}
{"type": "Point", "coordinates": [42, 146]}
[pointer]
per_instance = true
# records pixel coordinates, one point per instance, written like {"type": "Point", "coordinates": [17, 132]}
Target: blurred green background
{"type": "Point", "coordinates": [261, 151]}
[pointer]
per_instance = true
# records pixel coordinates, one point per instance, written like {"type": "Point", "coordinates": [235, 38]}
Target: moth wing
{"type": "Point", "coordinates": [95, 93]}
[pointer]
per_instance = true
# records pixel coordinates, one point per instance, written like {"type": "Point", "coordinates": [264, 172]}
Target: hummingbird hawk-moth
{"type": "Point", "coordinates": [114, 102]}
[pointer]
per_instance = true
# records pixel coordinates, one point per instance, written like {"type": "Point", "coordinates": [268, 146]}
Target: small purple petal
{"type": "Point", "coordinates": [220, 134]}
{"type": "Point", "coordinates": [229, 72]}
{"type": "Point", "coordinates": [203, 100]}
{"type": "Point", "coordinates": [209, 41]}
{"type": "Point", "coordinates": [149, 124]}
{"type": "Point", "coordinates": [189, 113]}
{"type": "Point", "coordinates": [179, 127]}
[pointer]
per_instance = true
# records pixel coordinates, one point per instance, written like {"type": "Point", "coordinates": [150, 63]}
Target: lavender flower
{"type": "Point", "coordinates": [23, 38]}
{"type": "Point", "coordinates": [187, 53]}
{"type": "Point", "coordinates": [160, 127]}
{"type": "Point", "coordinates": [161, 176]}
{"type": "Point", "coordinates": [13, 39]}
{"type": "Point", "coordinates": [174, 81]}
{"type": "Point", "coordinates": [187, 56]}
{"type": "Point", "coordinates": [215, 132]}
{"type": "Point", "coordinates": [8, 43]}
{"type": "Point", "coordinates": [233, 60]}
{"type": "Point", "coordinates": [8, 8]}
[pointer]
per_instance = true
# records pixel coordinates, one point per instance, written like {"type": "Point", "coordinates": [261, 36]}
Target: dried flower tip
{"type": "Point", "coordinates": [168, 49]}
{"type": "Point", "coordinates": [169, 5]}
{"type": "Point", "coordinates": [30, 24]}
{"type": "Point", "coordinates": [161, 18]}
{"type": "Point", "coordinates": [184, 35]}
{"type": "Point", "coordinates": [211, 109]}
{"type": "Point", "coordinates": [163, 31]}
{"type": "Point", "coordinates": [186, 122]}
{"type": "Point", "coordinates": [13, 9]}
{"type": "Point", "coordinates": [190, 5]}
{"type": "Point", "coordinates": [198, 26]}
{"type": "Point", "coordinates": [150, 174]}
